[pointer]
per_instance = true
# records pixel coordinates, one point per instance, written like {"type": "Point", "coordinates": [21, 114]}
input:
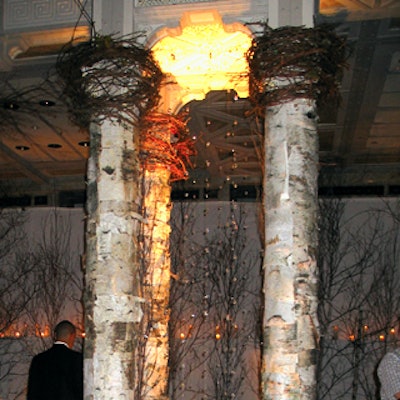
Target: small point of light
{"type": "Point", "coordinates": [22, 148]}
{"type": "Point", "coordinates": [83, 334]}
{"type": "Point", "coordinates": [392, 331]}
{"type": "Point", "coordinates": [47, 103]}
{"type": "Point", "coordinates": [84, 143]}
{"type": "Point", "coordinates": [17, 334]}
{"type": "Point", "coordinates": [218, 336]}
{"type": "Point", "coordinates": [352, 338]}
{"type": "Point", "coordinates": [182, 335]}
{"type": "Point", "coordinates": [9, 105]}
{"type": "Point", "coordinates": [365, 327]}
{"type": "Point", "coordinates": [381, 338]}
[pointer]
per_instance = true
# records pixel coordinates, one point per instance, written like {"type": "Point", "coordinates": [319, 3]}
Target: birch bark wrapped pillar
{"type": "Point", "coordinates": [112, 83]}
{"type": "Point", "coordinates": [113, 307]}
{"type": "Point", "coordinates": [290, 204]}
{"type": "Point", "coordinates": [162, 160]}
{"type": "Point", "coordinates": [290, 68]}
{"type": "Point", "coordinates": [156, 282]}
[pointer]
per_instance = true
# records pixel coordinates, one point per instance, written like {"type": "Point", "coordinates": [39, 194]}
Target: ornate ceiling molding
{"type": "Point", "coordinates": [361, 9]}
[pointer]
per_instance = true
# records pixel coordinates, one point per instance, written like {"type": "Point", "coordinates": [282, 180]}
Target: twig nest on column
{"type": "Point", "coordinates": [165, 142]}
{"type": "Point", "coordinates": [296, 62]}
{"type": "Point", "coordinates": [109, 78]}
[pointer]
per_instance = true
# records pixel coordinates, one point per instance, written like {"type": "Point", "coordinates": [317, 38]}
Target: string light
{"type": "Point", "coordinates": [217, 332]}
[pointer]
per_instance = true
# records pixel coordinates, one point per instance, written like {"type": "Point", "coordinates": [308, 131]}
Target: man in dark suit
{"type": "Point", "coordinates": [57, 373]}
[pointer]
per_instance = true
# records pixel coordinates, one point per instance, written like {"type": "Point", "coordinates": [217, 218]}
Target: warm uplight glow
{"type": "Point", "coordinates": [204, 55]}
{"type": "Point", "coordinates": [392, 331]}
{"type": "Point", "coordinates": [182, 335]}
{"type": "Point", "coordinates": [217, 332]}
{"type": "Point", "coordinates": [381, 338]}
{"type": "Point", "coordinates": [352, 338]}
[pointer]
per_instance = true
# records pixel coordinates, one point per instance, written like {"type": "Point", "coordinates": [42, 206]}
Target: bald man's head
{"type": "Point", "coordinates": [65, 331]}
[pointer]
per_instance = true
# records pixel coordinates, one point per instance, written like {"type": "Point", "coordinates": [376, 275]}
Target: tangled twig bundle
{"type": "Point", "coordinates": [292, 62]}
{"type": "Point", "coordinates": [165, 141]}
{"type": "Point", "coordinates": [109, 78]}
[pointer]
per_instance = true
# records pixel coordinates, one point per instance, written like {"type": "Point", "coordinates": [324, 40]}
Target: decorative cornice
{"type": "Point", "coordinates": [360, 9]}
{"type": "Point", "coordinates": [20, 15]}
{"type": "Point", "coordinates": [149, 3]}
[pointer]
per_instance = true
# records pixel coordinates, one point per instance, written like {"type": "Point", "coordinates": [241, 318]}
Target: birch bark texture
{"type": "Point", "coordinates": [113, 306]}
{"type": "Point", "coordinates": [290, 279]}
{"type": "Point", "coordinates": [156, 282]}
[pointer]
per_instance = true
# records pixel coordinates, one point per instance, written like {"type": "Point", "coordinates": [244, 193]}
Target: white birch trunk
{"type": "Point", "coordinates": [113, 308]}
{"type": "Point", "coordinates": [290, 283]}
{"type": "Point", "coordinates": [157, 206]}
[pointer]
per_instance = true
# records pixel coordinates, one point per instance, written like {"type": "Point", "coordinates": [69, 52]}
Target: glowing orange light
{"type": "Point", "coordinates": [17, 334]}
{"type": "Point", "coordinates": [217, 333]}
{"type": "Point", "coordinates": [204, 54]}
{"type": "Point", "coordinates": [182, 335]}
{"type": "Point", "coordinates": [392, 331]}
{"type": "Point", "coordinates": [366, 327]}
{"type": "Point", "coordinates": [332, 7]}
{"type": "Point", "coordinates": [83, 334]}
{"type": "Point", "coordinates": [381, 337]}
{"type": "Point", "coordinates": [352, 338]}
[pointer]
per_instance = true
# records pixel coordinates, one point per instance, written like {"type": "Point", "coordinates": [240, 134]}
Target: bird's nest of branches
{"type": "Point", "coordinates": [113, 78]}
{"type": "Point", "coordinates": [165, 141]}
{"type": "Point", "coordinates": [296, 62]}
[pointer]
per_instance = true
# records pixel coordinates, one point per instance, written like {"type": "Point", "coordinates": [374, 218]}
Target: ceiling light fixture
{"type": "Point", "coordinates": [84, 143]}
